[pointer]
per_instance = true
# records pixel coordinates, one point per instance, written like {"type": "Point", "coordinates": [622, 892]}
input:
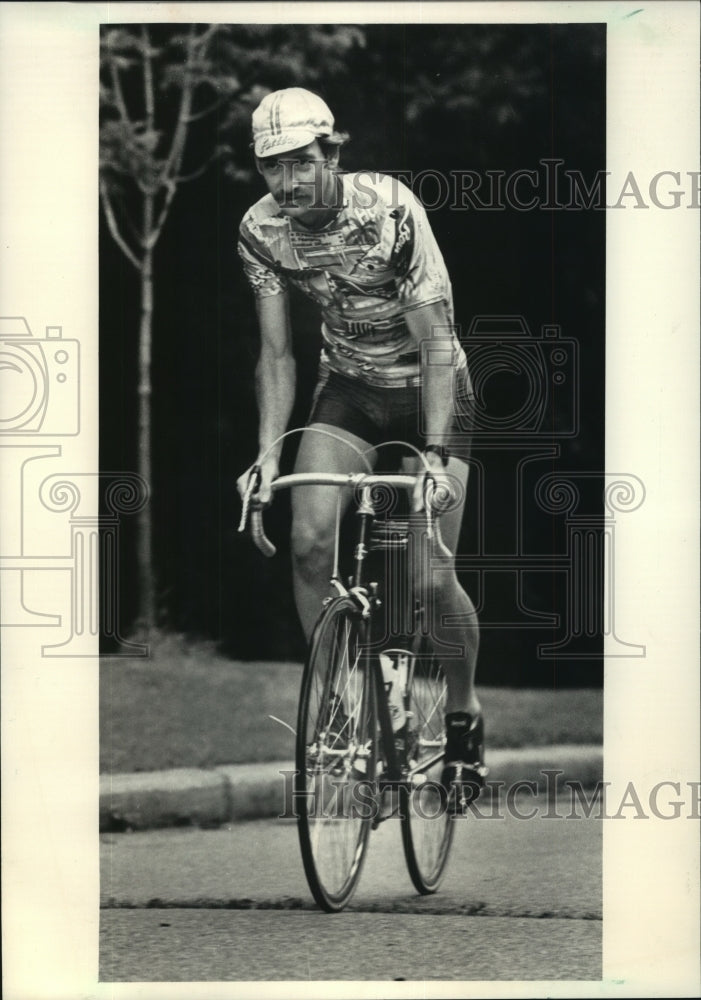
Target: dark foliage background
{"type": "Point", "coordinates": [414, 97]}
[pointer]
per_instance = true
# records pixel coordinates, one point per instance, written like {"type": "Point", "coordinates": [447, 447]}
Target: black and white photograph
{"type": "Point", "coordinates": [356, 559]}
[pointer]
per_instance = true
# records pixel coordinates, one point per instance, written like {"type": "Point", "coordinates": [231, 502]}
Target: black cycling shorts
{"type": "Point", "coordinates": [378, 414]}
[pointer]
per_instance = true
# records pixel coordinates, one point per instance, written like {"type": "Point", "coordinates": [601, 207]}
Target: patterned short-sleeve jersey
{"type": "Point", "coordinates": [373, 263]}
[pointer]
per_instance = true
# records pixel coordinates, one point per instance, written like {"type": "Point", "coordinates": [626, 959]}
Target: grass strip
{"type": "Point", "coordinates": [188, 706]}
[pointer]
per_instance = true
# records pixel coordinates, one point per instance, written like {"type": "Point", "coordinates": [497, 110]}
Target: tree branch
{"type": "Point", "coordinates": [196, 48]}
{"type": "Point", "coordinates": [197, 115]}
{"type": "Point", "coordinates": [118, 93]}
{"type": "Point", "coordinates": [148, 78]}
{"type": "Point", "coordinates": [174, 159]}
{"type": "Point", "coordinates": [148, 190]}
{"type": "Point", "coordinates": [205, 37]}
{"type": "Point", "coordinates": [185, 178]}
{"type": "Point", "coordinates": [170, 185]}
{"type": "Point", "coordinates": [171, 167]}
{"type": "Point", "coordinates": [114, 227]}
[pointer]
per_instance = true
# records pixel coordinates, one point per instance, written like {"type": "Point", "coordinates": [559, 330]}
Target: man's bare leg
{"type": "Point", "coordinates": [446, 600]}
{"type": "Point", "coordinates": [314, 512]}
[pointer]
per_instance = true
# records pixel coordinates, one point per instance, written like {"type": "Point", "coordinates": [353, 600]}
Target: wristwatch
{"type": "Point", "coordinates": [440, 450]}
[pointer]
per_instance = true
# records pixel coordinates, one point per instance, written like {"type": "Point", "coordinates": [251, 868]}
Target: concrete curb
{"type": "Point", "coordinates": [197, 797]}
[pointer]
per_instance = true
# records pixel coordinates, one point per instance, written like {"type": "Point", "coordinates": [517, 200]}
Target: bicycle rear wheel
{"type": "Point", "coordinates": [336, 756]}
{"type": "Point", "coordinates": [427, 827]}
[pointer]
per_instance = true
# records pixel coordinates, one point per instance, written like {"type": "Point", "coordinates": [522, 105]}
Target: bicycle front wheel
{"type": "Point", "coordinates": [336, 756]}
{"type": "Point", "coordinates": [427, 827]}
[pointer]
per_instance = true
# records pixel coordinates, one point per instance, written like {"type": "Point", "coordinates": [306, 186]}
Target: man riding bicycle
{"type": "Point", "coordinates": [391, 367]}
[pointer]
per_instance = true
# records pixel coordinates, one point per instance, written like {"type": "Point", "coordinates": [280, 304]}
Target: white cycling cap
{"type": "Point", "coordinates": [289, 119]}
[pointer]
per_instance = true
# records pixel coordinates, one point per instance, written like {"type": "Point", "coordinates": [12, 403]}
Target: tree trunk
{"type": "Point", "coordinates": [145, 561]}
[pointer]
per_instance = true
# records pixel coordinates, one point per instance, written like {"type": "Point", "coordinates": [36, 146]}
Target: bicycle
{"type": "Point", "coordinates": [349, 759]}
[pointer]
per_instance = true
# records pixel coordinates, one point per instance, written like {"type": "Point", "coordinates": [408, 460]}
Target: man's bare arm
{"type": "Point", "coordinates": [275, 381]}
{"type": "Point", "coordinates": [432, 333]}
{"type": "Point", "coordinates": [275, 371]}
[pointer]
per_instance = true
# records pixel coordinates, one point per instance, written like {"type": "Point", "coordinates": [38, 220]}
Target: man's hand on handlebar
{"type": "Point", "coordinates": [436, 487]}
{"type": "Point", "coordinates": [268, 471]}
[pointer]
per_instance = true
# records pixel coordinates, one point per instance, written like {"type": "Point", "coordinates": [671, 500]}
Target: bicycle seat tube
{"type": "Point", "coordinates": [365, 512]}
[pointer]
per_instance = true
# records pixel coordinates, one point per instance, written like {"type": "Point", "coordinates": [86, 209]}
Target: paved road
{"type": "Point", "coordinates": [520, 900]}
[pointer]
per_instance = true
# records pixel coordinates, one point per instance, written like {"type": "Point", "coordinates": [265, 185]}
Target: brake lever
{"type": "Point", "coordinates": [429, 482]}
{"type": "Point", "coordinates": [254, 481]}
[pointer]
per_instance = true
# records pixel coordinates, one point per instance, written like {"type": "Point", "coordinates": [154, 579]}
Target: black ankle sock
{"type": "Point", "coordinates": [458, 745]}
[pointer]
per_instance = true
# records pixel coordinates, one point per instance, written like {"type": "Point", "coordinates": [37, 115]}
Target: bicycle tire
{"type": "Point", "coordinates": [427, 826]}
{"type": "Point", "coordinates": [336, 751]}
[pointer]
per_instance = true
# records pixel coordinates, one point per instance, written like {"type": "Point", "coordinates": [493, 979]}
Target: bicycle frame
{"type": "Point", "coordinates": [365, 596]}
